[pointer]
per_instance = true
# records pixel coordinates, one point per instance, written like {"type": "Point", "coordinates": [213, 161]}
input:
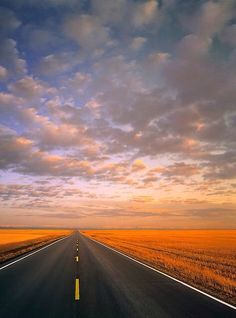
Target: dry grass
{"type": "Point", "coordinates": [14, 242]}
{"type": "Point", "coordinates": [203, 258]}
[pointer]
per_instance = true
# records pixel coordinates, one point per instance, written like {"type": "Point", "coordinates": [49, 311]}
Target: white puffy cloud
{"type": "Point", "coordinates": [158, 57]}
{"type": "Point", "coordinates": [138, 42]}
{"type": "Point", "coordinates": [8, 20]}
{"type": "Point", "coordinates": [145, 13]}
{"type": "Point", "coordinates": [13, 148]}
{"type": "Point", "coordinates": [3, 73]}
{"type": "Point", "coordinates": [112, 11]}
{"type": "Point", "coordinates": [58, 63]}
{"type": "Point", "coordinates": [228, 35]}
{"type": "Point", "coordinates": [10, 57]}
{"type": "Point", "coordinates": [87, 30]}
{"type": "Point", "coordinates": [212, 17]}
{"type": "Point", "coordinates": [80, 82]}
{"type": "Point", "coordinates": [29, 87]}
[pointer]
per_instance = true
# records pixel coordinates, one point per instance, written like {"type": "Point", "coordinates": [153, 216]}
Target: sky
{"type": "Point", "coordinates": [118, 113]}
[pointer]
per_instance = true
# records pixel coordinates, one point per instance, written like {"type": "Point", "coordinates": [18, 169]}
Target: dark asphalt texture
{"type": "Point", "coordinates": [111, 285]}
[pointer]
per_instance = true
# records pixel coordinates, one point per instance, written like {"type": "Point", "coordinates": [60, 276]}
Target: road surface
{"type": "Point", "coordinates": [105, 283]}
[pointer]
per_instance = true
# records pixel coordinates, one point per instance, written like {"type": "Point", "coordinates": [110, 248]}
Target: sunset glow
{"type": "Point", "coordinates": [118, 113]}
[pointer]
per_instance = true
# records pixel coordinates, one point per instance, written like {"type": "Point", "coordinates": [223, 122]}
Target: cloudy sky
{"type": "Point", "coordinates": [118, 113]}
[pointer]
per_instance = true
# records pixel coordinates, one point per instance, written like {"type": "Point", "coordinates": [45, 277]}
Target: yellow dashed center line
{"type": "Point", "coordinates": [77, 295]}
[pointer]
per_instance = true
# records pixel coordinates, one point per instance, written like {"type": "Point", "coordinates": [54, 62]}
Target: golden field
{"type": "Point", "coordinates": [205, 259]}
{"type": "Point", "coordinates": [14, 242]}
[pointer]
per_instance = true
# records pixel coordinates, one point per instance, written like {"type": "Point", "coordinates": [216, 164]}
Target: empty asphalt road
{"type": "Point", "coordinates": [108, 285]}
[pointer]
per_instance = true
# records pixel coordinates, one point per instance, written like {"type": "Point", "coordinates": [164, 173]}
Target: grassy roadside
{"type": "Point", "coordinates": [205, 259]}
{"type": "Point", "coordinates": [15, 242]}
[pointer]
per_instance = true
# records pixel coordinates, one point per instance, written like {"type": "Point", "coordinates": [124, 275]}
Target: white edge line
{"type": "Point", "coordinates": [42, 248]}
{"type": "Point", "coordinates": [156, 270]}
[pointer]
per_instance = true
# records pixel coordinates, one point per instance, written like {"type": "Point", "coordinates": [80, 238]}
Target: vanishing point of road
{"type": "Point", "coordinates": [77, 277]}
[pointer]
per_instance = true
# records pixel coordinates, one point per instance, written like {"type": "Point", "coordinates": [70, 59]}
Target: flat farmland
{"type": "Point", "coordinates": [14, 242]}
{"type": "Point", "coordinates": [205, 259]}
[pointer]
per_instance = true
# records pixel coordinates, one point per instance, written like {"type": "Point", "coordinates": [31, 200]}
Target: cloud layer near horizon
{"type": "Point", "coordinates": [118, 113]}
